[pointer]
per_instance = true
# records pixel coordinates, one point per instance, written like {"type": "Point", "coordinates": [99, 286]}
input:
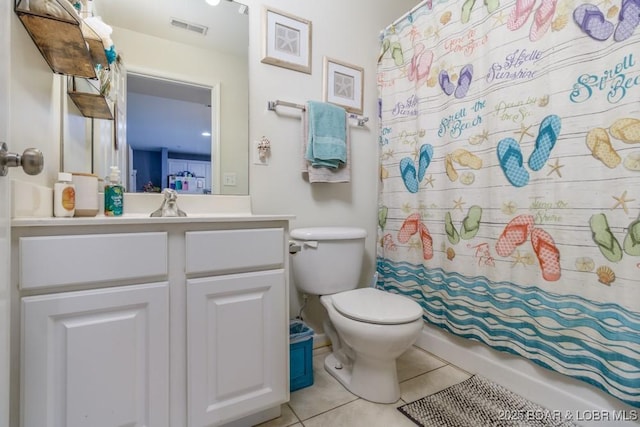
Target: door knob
{"type": "Point", "coordinates": [32, 160]}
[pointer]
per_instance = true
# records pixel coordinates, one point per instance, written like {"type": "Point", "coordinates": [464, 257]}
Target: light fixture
{"type": "Point", "coordinates": [243, 9]}
{"type": "Point", "coordinates": [213, 2]}
{"type": "Point", "coordinates": [205, 133]}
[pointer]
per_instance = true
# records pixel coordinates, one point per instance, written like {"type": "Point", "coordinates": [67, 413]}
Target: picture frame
{"type": "Point", "coordinates": [343, 85]}
{"type": "Point", "coordinates": [286, 40]}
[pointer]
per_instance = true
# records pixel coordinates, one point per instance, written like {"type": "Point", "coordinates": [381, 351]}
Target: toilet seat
{"type": "Point", "coordinates": [375, 306]}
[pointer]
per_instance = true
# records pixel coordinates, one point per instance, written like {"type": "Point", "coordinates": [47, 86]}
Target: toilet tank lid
{"type": "Point", "coordinates": [328, 233]}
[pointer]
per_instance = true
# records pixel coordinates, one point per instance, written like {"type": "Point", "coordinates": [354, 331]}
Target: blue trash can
{"type": "Point", "coordinates": [300, 355]}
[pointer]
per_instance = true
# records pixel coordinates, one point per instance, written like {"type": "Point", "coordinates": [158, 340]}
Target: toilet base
{"type": "Point", "coordinates": [371, 379]}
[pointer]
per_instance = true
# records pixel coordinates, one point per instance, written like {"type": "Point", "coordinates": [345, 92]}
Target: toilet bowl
{"type": "Point", "coordinates": [368, 328]}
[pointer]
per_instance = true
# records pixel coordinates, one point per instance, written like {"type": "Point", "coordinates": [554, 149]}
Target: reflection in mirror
{"type": "Point", "coordinates": [205, 46]}
{"type": "Point", "coordinates": [169, 133]}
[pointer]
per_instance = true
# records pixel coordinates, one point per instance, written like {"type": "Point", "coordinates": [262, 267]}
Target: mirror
{"type": "Point", "coordinates": [193, 43]}
{"type": "Point", "coordinates": [169, 134]}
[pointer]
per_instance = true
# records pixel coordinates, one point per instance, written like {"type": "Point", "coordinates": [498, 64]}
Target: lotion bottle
{"type": "Point", "coordinates": [64, 196]}
{"type": "Point", "coordinates": [113, 194]}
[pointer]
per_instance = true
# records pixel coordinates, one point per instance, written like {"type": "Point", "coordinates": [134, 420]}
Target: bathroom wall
{"type": "Point", "coordinates": [346, 31]}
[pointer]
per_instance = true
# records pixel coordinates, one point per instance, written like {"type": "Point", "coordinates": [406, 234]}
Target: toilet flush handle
{"type": "Point", "coordinates": [294, 248]}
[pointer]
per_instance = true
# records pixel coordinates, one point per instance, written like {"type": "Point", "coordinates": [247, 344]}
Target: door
{"type": "Point", "coordinates": [5, 206]}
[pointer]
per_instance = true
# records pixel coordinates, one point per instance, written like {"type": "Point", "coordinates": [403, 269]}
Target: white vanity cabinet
{"type": "Point", "coordinates": [94, 357]}
{"type": "Point", "coordinates": [170, 322]}
{"type": "Point", "coordinates": [236, 352]}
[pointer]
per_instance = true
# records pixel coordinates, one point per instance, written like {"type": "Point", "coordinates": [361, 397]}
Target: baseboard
{"type": "Point", "coordinates": [588, 405]}
{"type": "Point", "coordinates": [320, 340]}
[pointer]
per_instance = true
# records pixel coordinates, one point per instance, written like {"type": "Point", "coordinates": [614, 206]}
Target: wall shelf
{"type": "Point", "coordinates": [59, 39]}
{"type": "Point", "coordinates": [88, 99]}
{"type": "Point", "coordinates": [70, 47]}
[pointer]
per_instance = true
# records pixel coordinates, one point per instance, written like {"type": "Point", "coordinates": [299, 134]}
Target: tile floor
{"type": "Point", "coordinates": [328, 403]}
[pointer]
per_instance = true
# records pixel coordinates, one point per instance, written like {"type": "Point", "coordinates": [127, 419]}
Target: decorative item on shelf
{"type": "Point", "coordinates": [264, 148]}
{"type": "Point", "coordinates": [149, 187]}
{"type": "Point", "coordinates": [286, 41]}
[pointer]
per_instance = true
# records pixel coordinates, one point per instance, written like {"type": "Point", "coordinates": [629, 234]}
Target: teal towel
{"type": "Point", "coordinates": [327, 135]}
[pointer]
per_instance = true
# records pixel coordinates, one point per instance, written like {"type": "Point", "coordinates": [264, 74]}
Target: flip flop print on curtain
{"type": "Point", "coordinates": [468, 228]}
{"type": "Point", "coordinates": [420, 65]}
{"type": "Point", "coordinates": [592, 22]}
{"type": "Point", "coordinates": [510, 154]}
{"type": "Point", "coordinates": [542, 17]}
{"type": "Point", "coordinates": [412, 225]}
{"type": "Point", "coordinates": [467, 6]}
{"type": "Point", "coordinates": [629, 18]}
{"type": "Point", "coordinates": [464, 82]}
{"type": "Point", "coordinates": [601, 147]}
{"type": "Point", "coordinates": [412, 177]}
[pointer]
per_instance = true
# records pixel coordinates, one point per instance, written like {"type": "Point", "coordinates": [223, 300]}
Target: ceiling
{"type": "Point", "coordinates": [163, 113]}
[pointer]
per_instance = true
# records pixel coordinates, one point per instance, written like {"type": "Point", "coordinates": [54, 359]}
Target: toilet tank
{"type": "Point", "coordinates": [330, 259]}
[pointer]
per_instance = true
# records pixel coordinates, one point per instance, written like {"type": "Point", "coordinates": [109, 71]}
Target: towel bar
{"type": "Point", "coordinates": [271, 106]}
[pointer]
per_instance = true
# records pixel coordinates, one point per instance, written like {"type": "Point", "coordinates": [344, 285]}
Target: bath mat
{"type": "Point", "coordinates": [479, 402]}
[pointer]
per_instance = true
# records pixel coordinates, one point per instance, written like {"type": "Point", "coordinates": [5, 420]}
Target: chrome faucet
{"type": "Point", "coordinates": [169, 205]}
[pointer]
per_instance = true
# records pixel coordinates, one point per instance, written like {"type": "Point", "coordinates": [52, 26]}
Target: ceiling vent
{"type": "Point", "coordinates": [189, 26]}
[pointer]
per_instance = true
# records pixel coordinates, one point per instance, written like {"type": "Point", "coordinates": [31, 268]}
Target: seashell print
{"type": "Point", "coordinates": [544, 101]}
{"type": "Point", "coordinates": [585, 264]}
{"type": "Point", "coordinates": [384, 173]}
{"type": "Point", "coordinates": [613, 12]}
{"type": "Point", "coordinates": [632, 161]}
{"type": "Point", "coordinates": [445, 17]}
{"type": "Point", "coordinates": [606, 276]}
{"type": "Point", "coordinates": [467, 178]}
{"type": "Point", "coordinates": [451, 254]}
{"type": "Point", "coordinates": [432, 81]}
{"type": "Point", "coordinates": [559, 23]}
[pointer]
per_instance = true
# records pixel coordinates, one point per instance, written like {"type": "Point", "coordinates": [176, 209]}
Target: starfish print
{"type": "Point", "coordinates": [343, 86]}
{"type": "Point", "coordinates": [524, 130]}
{"type": "Point", "coordinates": [518, 259]}
{"type": "Point", "coordinates": [499, 19]}
{"type": "Point", "coordinates": [286, 40]}
{"type": "Point", "coordinates": [457, 204]}
{"type": "Point", "coordinates": [430, 180]}
{"type": "Point", "coordinates": [622, 201]}
{"type": "Point", "coordinates": [509, 208]}
{"type": "Point", "coordinates": [555, 168]}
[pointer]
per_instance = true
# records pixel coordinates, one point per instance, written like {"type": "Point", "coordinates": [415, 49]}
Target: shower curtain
{"type": "Point", "coordinates": [509, 202]}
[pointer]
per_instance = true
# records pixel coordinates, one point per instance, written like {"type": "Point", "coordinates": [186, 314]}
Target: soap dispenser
{"type": "Point", "coordinates": [113, 194]}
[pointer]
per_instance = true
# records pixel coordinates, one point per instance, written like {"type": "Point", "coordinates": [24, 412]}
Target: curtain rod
{"type": "Point", "coordinates": [403, 17]}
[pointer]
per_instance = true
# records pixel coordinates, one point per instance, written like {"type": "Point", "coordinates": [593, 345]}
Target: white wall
{"type": "Point", "coordinates": [347, 31]}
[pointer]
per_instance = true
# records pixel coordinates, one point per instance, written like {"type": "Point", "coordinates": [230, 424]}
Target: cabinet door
{"type": "Point", "coordinates": [96, 358]}
{"type": "Point", "coordinates": [237, 350]}
{"type": "Point", "coordinates": [177, 166]}
{"type": "Point", "coordinates": [198, 168]}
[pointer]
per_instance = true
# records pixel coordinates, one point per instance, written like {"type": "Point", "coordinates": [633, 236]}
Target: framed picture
{"type": "Point", "coordinates": [343, 85]}
{"type": "Point", "coordinates": [286, 41]}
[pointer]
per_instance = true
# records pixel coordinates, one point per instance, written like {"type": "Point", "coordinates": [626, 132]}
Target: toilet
{"type": "Point", "coordinates": [368, 328]}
